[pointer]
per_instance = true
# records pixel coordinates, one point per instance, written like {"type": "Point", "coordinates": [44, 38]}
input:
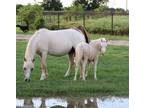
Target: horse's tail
{"type": "Point", "coordinates": [83, 30]}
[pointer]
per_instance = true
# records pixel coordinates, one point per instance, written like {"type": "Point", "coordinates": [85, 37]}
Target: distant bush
{"type": "Point", "coordinates": [39, 23]}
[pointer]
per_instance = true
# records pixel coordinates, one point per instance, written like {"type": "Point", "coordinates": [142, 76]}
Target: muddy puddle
{"type": "Point", "coordinates": [66, 102]}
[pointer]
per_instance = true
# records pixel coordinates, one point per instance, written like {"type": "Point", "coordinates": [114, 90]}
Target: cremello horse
{"type": "Point", "coordinates": [53, 42]}
{"type": "Point", "coordinates": [86, 53]}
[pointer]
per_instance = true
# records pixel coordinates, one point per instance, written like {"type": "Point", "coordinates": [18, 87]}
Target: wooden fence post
{"type": "Point", "coordinates": [58, 21]}
{"type": "Point", "coordinates": [112, 21]}
{"type": "Point", "coordinates": [84, 19]}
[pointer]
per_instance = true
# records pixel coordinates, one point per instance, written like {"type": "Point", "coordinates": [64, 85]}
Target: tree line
{"type": "Point", "coordinates": [32, 15]}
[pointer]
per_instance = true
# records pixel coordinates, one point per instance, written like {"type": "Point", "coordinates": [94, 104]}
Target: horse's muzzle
{"type": "Point", "coordinates": [27, 80]}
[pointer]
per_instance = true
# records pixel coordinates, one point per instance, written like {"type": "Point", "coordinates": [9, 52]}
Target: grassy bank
{"type": "Point", "coordinates": [112, 76]}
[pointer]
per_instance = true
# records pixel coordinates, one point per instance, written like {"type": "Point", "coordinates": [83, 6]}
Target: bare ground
{"type": "Point", "coordinates": [20, 37]}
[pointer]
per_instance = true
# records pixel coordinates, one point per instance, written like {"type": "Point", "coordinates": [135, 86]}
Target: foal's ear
{"type": "Point", "coordinates": [33, 60]}
{"type": "Point", "coordinates": [24, 59]}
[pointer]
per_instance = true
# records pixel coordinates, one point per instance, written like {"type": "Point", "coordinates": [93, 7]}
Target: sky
{"type": "Point", "coordinates": [66, 3]}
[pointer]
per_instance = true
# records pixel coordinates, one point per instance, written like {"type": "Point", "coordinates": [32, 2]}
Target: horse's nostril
{"type": "Point", "coordinates": [26, 80]}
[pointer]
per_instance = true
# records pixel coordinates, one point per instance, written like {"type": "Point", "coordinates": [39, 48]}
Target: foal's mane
{"type": "Point", "coordinates": [83, 30]}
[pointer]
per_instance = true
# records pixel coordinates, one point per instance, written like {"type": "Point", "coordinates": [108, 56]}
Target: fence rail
{"type": "Point", "coordinates": [98, 22]}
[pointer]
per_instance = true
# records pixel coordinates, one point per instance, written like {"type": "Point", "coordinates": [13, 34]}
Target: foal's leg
{"type": "Point", "coordinates": [95, 68]}
{"type": "Point", "coordinates": [44, 74]}
{"type": "Point", "coordinates": [87, 69]}
{"type": "Point", "coordinates": [71, 64]}
{"type": "Point", "coordinates": [81, 69]}
{"type": "Point", "coordinates": [84, 68]}
{"type": "Point", "coordinates": [77, 64]}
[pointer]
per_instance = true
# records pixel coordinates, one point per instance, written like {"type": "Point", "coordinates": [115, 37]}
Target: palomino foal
{"type": "Point", "coordinates": [86, 53]}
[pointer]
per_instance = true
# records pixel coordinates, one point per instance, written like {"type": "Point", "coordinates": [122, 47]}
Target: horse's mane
{"type": "Point", "coordinates": [83, 30]}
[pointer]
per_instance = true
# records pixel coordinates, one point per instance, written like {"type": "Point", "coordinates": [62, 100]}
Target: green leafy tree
{"type": "Point", "coordinates": [52, 5]}
{"type": "Point", "coordinates": [102, 9]}
{"type": "Point", "coordinates": [18, 6]}
{"type": "Point", "coordinates": [30, 15]}
{"type": "Point", "coordinates": [89, 4]}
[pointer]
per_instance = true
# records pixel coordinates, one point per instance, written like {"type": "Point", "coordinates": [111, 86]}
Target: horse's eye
{"type": "Point", "coordinates": [24, 68]}
{"type": "Point", "coordinates": [31, 69]}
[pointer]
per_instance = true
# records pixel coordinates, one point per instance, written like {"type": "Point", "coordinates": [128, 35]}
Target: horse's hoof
{"type": "Point", "coordinates": [27, 80]}
{"type": "Point", "coordinates": [66, 75]}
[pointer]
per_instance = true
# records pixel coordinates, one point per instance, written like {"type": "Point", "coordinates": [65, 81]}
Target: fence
{"type": "Point", "coordinates": [95, 22]}
{"type": "Point", "coordinates": [109, 22]}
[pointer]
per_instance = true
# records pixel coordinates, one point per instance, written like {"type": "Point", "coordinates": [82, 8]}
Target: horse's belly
{"type": "Point", "coordinates": [58, 50]}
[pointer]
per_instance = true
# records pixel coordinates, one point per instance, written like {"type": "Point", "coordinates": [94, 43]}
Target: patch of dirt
{"type": "Point", "coordinates": [21, 37]}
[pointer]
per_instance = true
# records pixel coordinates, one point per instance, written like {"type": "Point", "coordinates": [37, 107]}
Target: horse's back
{"type": "Point", "coordinates": [60, 36]}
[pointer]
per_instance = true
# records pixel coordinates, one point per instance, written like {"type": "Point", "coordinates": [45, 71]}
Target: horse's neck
{"type": "Point", "coordinates": [30, 51]}
{"type": "Point", "coordinates": [95, 46]}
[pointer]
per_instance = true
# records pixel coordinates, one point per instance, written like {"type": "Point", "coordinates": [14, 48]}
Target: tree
{"type": "Point", "coordinates": [89, 4]}
{"type": "Point", "coordinates": [52, 5]}
{"type": "Point", "coordinates": [31, 14]}
{"type": "Point", "coordinates": [18, 6]}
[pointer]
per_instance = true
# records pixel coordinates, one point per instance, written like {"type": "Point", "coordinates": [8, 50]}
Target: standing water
{"type": "Point", "coordinates": [99, 102]}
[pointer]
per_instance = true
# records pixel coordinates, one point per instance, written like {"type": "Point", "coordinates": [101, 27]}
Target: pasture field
{"type": "Point", "coordinates": [113, 76]}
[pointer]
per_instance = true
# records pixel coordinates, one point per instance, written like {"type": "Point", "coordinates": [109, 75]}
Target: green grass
{"type": "Point", "coordinates": [112, 76]}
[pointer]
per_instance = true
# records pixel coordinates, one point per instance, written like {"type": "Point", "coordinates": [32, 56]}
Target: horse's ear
{"type": "Point", "coordinates": [33, 60]}
{"type": "Point", "coordinates": [24, 59]}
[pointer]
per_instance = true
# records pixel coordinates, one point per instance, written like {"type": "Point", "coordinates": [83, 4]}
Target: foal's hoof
{"type": "Point", "coordinates": [43, 78]}
{"type": "Point", "coordinates": [95, 78]}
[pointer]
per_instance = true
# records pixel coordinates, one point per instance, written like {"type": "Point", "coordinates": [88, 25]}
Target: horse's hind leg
{"type": "Point", "coordinates": [44, 74]}
{"type": "Point", "coordinates": [71, 64]}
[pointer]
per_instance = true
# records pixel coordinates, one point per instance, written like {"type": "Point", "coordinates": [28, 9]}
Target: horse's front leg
{"type": "Point", "coordinates": [44, 73]}
{"type": "Point", "coordinates": [71, 64]}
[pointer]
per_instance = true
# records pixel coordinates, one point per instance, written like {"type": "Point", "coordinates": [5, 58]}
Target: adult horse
{"type": "Point", "coordinates": [52, 42]}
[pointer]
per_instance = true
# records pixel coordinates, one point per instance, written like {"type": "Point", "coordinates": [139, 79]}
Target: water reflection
{"type": "Point", "coordinates": [101, 102]}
